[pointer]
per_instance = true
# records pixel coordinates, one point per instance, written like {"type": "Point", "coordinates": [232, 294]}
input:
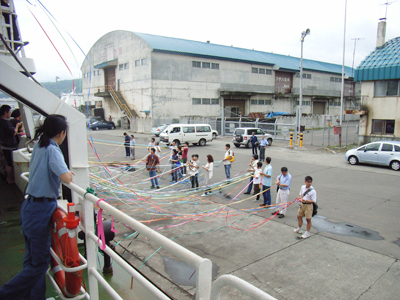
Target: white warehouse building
{"type": "Point", "coordinates": [151, 78]}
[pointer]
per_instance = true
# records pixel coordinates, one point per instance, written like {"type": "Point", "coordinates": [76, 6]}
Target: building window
{"type": "Point", "coordinates": [305, 75]}
{"type": "Point", "coordinates": [196, 101]}
{"type": "Point", "coordinates": [261, 102]}
{"type": "Point", "coordinates": [383, 126]}
{"type": "Point", "coordinates": [386, 88]}
{"type": "Point", "coordinates": [205, 65]}
{"type": "Point", "coordinates": [124, 66]}
{"type": "Point", "coordinates": [196, 64]}
{"type": "Point", "coordinates": [215, 66]}
{"type": "Point", "coordinates": [137, 63]}
{"type": "Point", "coordinates": [305, 103]}
{"type": "Point", "coordinates": [261, 71]}
{"type": "Point", "coordinates": [144, 61]}
{"type": "Point", "coordinates": [336, 79]}
{"type": "Point", "coordinates": [205, 101]}
{"type": "Point", "coordinates": [334, 103]}
{"type": "Point", "coordinates": [253, 102]}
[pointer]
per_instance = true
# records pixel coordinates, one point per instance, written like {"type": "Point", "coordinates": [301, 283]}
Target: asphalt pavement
{"type": "Point", "coordinates": [354, 254]}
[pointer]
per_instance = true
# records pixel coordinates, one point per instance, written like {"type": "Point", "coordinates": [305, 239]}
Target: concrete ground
{"type": "Point", "coordinates": [354, 255]}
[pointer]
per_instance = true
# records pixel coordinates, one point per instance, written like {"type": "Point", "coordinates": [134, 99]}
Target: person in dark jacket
{"type": "Point", "coordinates": [8, 141]}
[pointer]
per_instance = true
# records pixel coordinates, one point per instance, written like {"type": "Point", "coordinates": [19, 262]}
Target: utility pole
{"type": "Point", "coordinates": [354, 54]}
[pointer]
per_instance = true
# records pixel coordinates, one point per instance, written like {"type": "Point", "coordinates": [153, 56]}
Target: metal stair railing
{"type": "Point", "coordinates": [133, 105]}
{"type": "Point", "coordinates": [117, 100]}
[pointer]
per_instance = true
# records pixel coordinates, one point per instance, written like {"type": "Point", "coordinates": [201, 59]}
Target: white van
{"type": "Point", "coordinates": [191, 133]}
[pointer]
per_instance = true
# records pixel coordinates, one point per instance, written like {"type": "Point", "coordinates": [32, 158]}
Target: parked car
{"type": "Point", "coordinates": [157, 130]}
{"type": "Point", "coordinates": [102, 124]}
{"type": "Point", "coordinates": [92, 119]}
{"type": "Point", "coordinates": [214, 134]}
{"type": "Point", "coordinates": [384, 153]}
{"type": "Point", "coordinates": [191, 133]}
{"type": "Point", "coordinates": [241, 136]}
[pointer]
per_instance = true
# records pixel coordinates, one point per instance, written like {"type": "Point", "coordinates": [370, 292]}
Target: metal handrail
{"type": "Point", "coordinates": [203, 265]}
{"type": "Point", "coordinates": [243, 286]}
{"type": "Point", "coordinates": [122, 106]}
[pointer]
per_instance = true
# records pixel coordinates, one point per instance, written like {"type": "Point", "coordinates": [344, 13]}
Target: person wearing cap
{"type": "Point", "coordinates": [253, 165]}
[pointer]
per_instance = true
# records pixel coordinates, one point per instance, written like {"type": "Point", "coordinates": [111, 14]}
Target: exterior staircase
{"type": "Point", "coordinates": [121, 102]}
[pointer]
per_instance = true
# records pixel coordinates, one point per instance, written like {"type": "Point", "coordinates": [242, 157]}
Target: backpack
{"type": "Point", "coordinates": [315, 206]}
{"type": "Point", "coordinates": [232, 159]}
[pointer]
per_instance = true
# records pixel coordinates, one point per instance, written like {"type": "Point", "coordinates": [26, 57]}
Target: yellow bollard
{"type": "Point", "coordinates": [301, 139]}
{"type": "Point", "coordinates": [291, 139]}
{"type": "Point", "coordinates": [297, 143]}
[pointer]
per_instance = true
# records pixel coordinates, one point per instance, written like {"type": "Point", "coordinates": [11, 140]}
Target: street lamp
{"type": "Point", "coordinates": [56, 85]}
{"type": "Point", "coordinates": [303, 35]}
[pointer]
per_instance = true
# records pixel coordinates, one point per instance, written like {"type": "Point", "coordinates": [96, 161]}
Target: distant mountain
{"type": "Point", "coordinates": [63, 86]}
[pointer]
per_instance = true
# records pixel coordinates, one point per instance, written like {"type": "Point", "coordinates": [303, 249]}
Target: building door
{"type": "Point", "coordinates": [109, 78]}
{"type": "Point", "coordinates": [236, 107]}
{"type": "Point", "coordinates": [318, 108]}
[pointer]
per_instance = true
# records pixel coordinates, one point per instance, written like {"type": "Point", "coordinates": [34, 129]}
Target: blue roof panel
{"type": "Point", "coordinates": [195, 48]}
{"type": "Point", "coordinates": [382, 63]}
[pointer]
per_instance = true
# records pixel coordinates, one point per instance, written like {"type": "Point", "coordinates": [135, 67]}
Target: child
{"type": "Point", "coordinates": [194, 170]}
{"type": "Point", "coordinates": [257, 180]}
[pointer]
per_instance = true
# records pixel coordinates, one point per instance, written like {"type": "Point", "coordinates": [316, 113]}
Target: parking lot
{"type": "Point", "coordinates": [353, 254]}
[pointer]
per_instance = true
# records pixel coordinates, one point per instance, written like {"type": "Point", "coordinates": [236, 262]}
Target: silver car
{"type": "Point", "coordinates": [384, 153]}
{"type": "Point", "coordinates": [242, 135]}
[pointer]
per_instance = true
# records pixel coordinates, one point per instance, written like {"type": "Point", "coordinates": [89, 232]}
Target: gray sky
{"type": "Point", "coordinates": [272, 26]}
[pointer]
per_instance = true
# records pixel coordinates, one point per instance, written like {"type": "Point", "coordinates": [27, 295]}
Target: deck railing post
{"type": "Point", "coordinates": [203, 279]}
{"type": "Point", "coordinates": [87, 222]}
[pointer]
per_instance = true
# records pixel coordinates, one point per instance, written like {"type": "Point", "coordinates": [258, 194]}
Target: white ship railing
{"type": "Point", "coordinates": [203, 266]}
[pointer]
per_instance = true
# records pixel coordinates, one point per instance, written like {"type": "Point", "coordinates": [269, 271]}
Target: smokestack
{"type": "Point", "coordinates": [380, 38]}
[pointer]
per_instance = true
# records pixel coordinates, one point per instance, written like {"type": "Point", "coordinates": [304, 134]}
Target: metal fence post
{"type": "Point", "coordinates": [275, 128]}
{"type": "Point", "coordinates": [329, 135]}
{"type": "Point", "coordinates": [312, 132]}
{"type": "Point", "coordinates": [323, 133]}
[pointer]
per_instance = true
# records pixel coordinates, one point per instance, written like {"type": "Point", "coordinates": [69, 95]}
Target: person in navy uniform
{"type": "Point", "coordinates": [46, 170]}
{"type": "Point", "coordinates": [254, 143]}
{"type": "Point", "coordinates": [127, 145]}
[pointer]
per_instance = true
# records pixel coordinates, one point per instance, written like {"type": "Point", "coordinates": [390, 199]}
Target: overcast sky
{"type": "Point", "coordinates": [272, 26]}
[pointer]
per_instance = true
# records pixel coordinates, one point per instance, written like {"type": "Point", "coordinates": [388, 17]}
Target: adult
{"type": "Point", "coordinates": [174, 161]}
{"type": "Point", "coordinates": [179, 163]}
{"type": "Point", "coordinates": [16, 119]}
{"type": "Point", "coordinates": [151, 145]}
{"type": "Point", "coordinates": [151, 164]}
{"type": "Point", "coordinates": [254, 143]}
{"type": "Point", "coordinates": [158, 153]}
{"type": "Point", "coordinates": [267, 182]}
{"type": "Point", "coordinates": [283, 182]}
{"type": "Point", "coordinates": [47, 169]}
{"type": "Point", "coordinates": [184, 157]}
{"type": "Point", "coordinates": [253, 165]}
{"type": "Point", "coordinates": [209, 171]}
{"type": "Point", "coordinates": [172, 147]}
{"type": "Point", "coordinates": [227, 162]}
{"type": "Point", "coordinates": [7, 140]}
{"type": "Point", "coordinates": [127, 145]}
{"type": "Point", "coordinates": [194, 170]}
{"type": "Point", "coordinates": [132, 144]}
{"type": "Point", "coordinates": [257, 180]}
{"type": "Point", "coordinates": [308, 196]}
{"type": "Point", "coordinates": [263, 145]}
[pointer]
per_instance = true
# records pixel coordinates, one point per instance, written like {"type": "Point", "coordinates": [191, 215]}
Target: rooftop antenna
{"type": "Point", "coordinates": [387, 3]}
{"type": "Point", "coordinates": [354, 53]}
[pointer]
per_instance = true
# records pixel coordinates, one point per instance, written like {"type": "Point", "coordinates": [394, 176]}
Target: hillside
{"type": "Point", "coordinates": [63, 86]}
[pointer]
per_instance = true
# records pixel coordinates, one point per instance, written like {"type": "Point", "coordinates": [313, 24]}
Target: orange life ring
{"type": "Point", "coordinates": [67, 250]}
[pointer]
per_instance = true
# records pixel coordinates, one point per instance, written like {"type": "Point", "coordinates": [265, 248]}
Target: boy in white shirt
{"type": "Point", "coordinates": [308, 196]}
{"type": "Point", "coordinates": [257, 180]}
